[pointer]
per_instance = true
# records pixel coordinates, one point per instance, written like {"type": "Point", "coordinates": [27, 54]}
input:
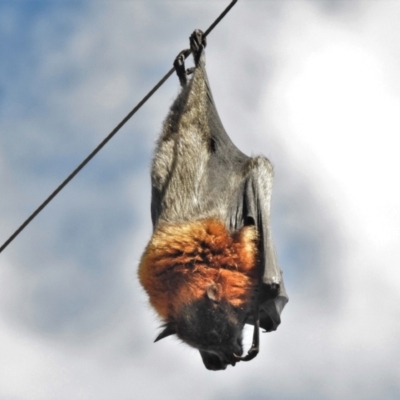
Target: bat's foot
{"type": "Point", "coordinates": [179, 65]}
{"type": "Point", "coordinates": [255, 346]}
{"type": "Point", "coordinates": [197, 45]}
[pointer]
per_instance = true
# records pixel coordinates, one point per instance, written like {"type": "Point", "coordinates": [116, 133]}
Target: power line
{"type": "Point", "coordinates": [104, 142]}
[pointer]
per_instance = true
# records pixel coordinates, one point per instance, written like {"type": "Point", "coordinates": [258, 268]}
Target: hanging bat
{"type": "Point", "coordinates": [210, 266]}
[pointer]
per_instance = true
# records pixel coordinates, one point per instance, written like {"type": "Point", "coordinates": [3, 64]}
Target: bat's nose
{"type": "Point", "coordinates": [213, 361]}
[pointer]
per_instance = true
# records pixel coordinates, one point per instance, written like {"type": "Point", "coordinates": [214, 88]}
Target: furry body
{"type": "Point", "coordinates": [211, 253]}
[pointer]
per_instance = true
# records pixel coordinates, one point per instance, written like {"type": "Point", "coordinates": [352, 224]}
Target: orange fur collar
{"type": "Point", "coordinates": [183, 259]}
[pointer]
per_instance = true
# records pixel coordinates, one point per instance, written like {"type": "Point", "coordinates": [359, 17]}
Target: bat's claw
{"type": "Point", "coordinates": [253, 352]}
{"type": "Point", "coordinates": [198, 43]}
{"type": "Point", "coordinates": [179, 65]}
{"type": "Point", "coordinates": [255, 346]}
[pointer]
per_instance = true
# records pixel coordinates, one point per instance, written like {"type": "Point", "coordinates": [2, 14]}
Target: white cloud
{"type": "Point", "coordinates": [317, 91]}
{"type": "Point", "coordinates": [337, 113]}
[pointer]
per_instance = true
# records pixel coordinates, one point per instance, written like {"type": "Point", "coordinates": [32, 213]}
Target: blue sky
{"type": "Point", "coordinates": [313, 85]}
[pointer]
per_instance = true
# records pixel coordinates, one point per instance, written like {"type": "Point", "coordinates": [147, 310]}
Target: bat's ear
{"type": "Point", "coordinates": [214, 292]}
{"type": "Point", "coordinates": [168, 331]}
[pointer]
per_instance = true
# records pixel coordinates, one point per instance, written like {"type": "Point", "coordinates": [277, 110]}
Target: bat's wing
{"type": "Point", "coordinates": [256, 208]}
{"type": "Point", "coordinates": [252, 206]}
{"type": "Point", "coordinates": [223, 148]}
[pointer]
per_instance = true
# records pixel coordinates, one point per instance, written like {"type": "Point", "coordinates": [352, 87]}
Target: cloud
{"type": "Point", "coordinates": [316, 89]}
{"type": "Point", "coordinates": [338, 112]}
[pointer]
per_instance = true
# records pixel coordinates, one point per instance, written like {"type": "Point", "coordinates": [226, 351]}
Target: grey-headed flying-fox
{"type": "Point", "coordinates": [210, 266]}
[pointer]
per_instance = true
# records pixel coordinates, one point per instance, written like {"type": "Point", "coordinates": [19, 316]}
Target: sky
{"type": "Point", "coordinates": [312, 85]}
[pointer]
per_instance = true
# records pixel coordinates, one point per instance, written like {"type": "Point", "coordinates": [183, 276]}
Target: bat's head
{"type": "Point", "coordinates": [200, 279]}
{"type": "Point", "coordinates": [212, 325]}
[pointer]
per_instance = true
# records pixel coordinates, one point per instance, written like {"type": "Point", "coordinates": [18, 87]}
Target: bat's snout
{"type": "Point", "coordinates": [219, 361]}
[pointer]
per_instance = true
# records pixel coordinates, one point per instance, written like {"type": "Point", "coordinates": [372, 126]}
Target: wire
{"type": "Point", "coordinates": [104, 142]}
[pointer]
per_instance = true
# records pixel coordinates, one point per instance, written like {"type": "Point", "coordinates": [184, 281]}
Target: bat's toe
{"type": "Point", "coordinates": [197, 44]}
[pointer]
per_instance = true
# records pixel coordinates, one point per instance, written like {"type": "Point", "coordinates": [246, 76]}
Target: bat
{"type": "Point", "coordinates": [210, 266]}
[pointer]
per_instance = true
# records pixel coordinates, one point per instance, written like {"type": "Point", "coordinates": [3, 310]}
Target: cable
{"type": "Point", "coordinates": [104, 142]}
